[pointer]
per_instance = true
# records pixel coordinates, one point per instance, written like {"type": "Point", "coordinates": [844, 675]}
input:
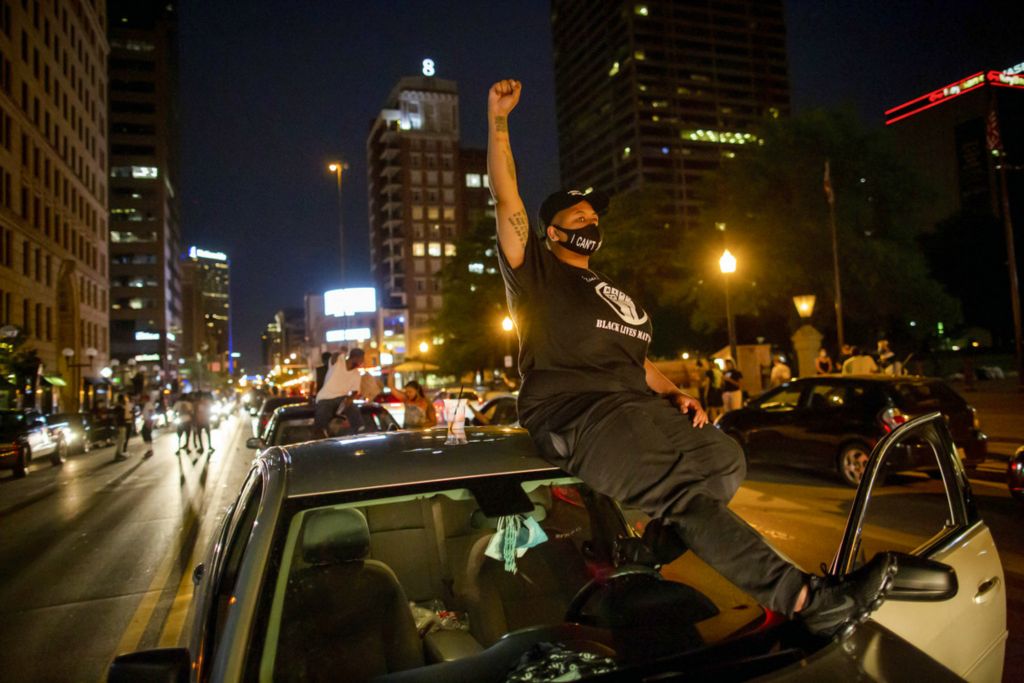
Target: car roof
{"type": "Point", "coordinates": [881, 379]}
{"type": "Point", "coordinates": [387, 459]}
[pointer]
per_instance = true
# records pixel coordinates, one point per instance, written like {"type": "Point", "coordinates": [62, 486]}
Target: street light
{"type": "Point", "coordinates": [804, 305]}
{"type": "Point", "coordinates": [338, 168]}
{"type": "Point", "coordinates": [728, 266]}
{"type": "Point", "coordinates": [507, 325]}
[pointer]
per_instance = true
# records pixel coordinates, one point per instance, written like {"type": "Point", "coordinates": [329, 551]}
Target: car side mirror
{"type": "Point", "coordinates": [165, 665]}
{"type": "Point", "coordinates": [393, 427]}
{"type": "Point", "coordinates": [253, 442]}
{"type": "Point", "coordinates": [919, 579]}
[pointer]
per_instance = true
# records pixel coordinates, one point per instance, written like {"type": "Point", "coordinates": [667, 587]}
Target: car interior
{"type": "Point", "coordinates": [408, 585]}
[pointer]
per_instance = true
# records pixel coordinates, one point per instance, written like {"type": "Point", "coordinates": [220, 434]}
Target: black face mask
{"type": "Point", "coordinates": [584, 241]}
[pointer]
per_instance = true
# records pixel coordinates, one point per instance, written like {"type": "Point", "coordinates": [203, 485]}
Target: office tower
{"type": "Point", "coordinates": [418, 199]}
{"type": "Point", "coordinates": [53, 195]}
{"type": "Point", "coordinates": [145, 249]}
{"type": "Point", "coordinates": [660, 93]}
{"type": "Point", "coordinates": [206, 308]}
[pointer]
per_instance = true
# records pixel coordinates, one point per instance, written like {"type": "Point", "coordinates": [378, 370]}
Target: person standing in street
{"type": "Point", "coordinates": [732, 391]}
{"type": "Point", "coordinates": [147, 424]}
{"type": "Point", "coordinates": [859, 363]}
{"type": "Point", "coordinates": [183, 411]}
{"type": "Point", "coordinates": [336, 397]}
{"type": "Point", "coordinates": [780, 373]}
{"type": "Point", "coordinates": [201, 423]}
{"type": "Point", "coordinates": [596, 406]}
{"type": "Point", "coordinates": [121, 423]}
{"type": "Point", "coordinates": [823, 363]}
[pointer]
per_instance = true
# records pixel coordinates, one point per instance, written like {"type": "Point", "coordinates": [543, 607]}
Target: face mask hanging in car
{"type": "Point", "coordinates": [515, 535]}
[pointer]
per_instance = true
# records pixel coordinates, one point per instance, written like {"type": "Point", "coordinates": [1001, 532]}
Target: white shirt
{"type": "Point", "coordinates": [340, 381]}
{"type": "Point", "coordinates": [860, 365]}
{"type": "Point", "coordinates": [780, 375]}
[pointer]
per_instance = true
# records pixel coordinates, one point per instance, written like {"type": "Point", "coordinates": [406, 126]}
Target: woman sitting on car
{"type": "Point", "coordinates": [419, 412]}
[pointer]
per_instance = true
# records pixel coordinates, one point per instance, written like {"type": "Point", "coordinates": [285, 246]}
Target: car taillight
{"type": "Point", "coordinates": [975, 419]}
{"type": "Point", "coordinates": [891, 418]}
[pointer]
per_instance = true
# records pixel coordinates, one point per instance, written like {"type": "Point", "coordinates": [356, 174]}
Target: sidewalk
{"type": "Point", "coordinates": [1000, 405]}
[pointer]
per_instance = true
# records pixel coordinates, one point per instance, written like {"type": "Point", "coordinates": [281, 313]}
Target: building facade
{"type": "Point", "coordinates": [53, 195]}
{"type": "Point", "coordinates": [662, 92]}
{"type": "Point", "coordinates": [423, 191]}
{"type": "Point", "coordinates": [145, 237]}
{"type": "Point", "coordinates": [206, 308]}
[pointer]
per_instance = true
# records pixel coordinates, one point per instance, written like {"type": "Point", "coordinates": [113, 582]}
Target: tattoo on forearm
{"type": "Point", "coordinates": [501, 124]}
{"type": "Point", "coordinates": [520, 225]}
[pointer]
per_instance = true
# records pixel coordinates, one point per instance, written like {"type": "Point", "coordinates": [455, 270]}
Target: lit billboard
{"type": "Point", "coordinates": [355, 334]}
{"type": "Point", "coordinates": [342, 302]}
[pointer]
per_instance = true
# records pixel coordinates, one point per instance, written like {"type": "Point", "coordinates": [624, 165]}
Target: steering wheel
{"type": "Point", "coordinates": [574, 613]}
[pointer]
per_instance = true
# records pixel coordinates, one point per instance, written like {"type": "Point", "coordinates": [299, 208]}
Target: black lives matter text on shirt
{"type": "Point", "coordinates": [578, 332]}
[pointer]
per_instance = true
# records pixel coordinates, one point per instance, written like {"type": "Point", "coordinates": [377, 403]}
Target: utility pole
{"type": "Point", "coordinates": [831, 198]}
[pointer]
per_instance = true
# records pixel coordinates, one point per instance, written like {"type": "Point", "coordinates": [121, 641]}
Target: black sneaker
{"type": "Point", "coordinates": [835, 606]}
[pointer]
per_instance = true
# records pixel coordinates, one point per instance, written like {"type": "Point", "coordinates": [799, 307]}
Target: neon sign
{"type": "Point", "coordinates": [428, 67]}
{"type": "Point", "coordinates": [196, 252]}
{"type": "Point", "coordinates": [1002, 79]}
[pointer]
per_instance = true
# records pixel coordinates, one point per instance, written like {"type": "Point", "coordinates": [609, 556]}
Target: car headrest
{"type": "Point", "coordinates": [333, 535]}
{"type": "Point", "coordinates": [541, 499]}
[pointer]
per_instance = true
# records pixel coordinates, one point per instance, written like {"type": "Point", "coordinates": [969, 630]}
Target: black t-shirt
{"type": "Point", "coordinates": [577, 331]}
{"type": "Point", "coordinates": [732, 380]}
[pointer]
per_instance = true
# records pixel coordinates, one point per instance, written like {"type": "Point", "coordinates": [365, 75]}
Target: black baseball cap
{"type": "Point", "coordinates": [563, 199]}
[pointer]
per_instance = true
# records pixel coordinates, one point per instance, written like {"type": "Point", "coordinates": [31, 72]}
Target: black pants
{"type": "Point", "coordinates": [644, 453]}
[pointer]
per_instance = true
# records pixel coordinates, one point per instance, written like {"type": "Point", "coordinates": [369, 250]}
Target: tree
{"type": "Point", "coordinates": [474, 304]}
{"type": "Point", "coordinates": [772, 203]}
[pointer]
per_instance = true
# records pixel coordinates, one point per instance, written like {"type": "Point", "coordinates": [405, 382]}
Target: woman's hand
{"type": "Point", "coordinates": [503, 97]}
{"type": "Point", "coordinates": [688, 404]}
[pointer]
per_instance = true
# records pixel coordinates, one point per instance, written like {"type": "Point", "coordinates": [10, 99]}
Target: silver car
{"type": "Point", "coordinates": [416, 556]}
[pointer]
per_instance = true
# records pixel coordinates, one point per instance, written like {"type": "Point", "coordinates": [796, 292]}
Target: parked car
{"type": "Point", "coordinates": [367, 556]}
{"type": "Point", "coordinates": [833, 422]}
{"type": "Point", "coordinates": [272, 403]}
{"type": "Point", "coordinates": [294, 424]}
{"type": "Point", "coordinates": [24, 435]}
{"type": "Point", "coordinates": [1015, 474]}
{"type": "Point", "coordinates": [497, 411]}
{"type": "Point", "coordinates": [82, 431]}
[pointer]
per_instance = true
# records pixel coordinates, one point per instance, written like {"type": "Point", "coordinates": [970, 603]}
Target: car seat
{"type": "Point", "coordinates": [548, 576]}
{"type": "Point", "coordinates": [344, 616]}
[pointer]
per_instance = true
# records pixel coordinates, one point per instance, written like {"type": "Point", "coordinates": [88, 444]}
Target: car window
{"type": "Point", "coordinates": [922, 397]}
{"type": "Point", "coordinates": [505, 413]}
{"type": "Point", "coordinates": [826, 397]}
{"type": "Point", "coordinates": [295, 431]}
{"type": "Point", "coordinates": [229, 559]}
{"type": "Point", "coordinates": [781, 400]}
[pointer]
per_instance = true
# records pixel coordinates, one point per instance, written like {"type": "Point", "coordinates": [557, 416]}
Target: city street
{"type": "Point", "coordinates": [99, 555]}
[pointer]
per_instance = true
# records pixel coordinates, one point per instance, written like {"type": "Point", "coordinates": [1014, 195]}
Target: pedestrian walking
{"type": "Point", "coordinates": [732, 391]}
{"type": "Point", "coordinates": [336, 397]}
{"type": "Point", "coordinates": [201, 423]}
{"type": "Point", "coordinates": [148, 415]}
{"type": "Point", "coordinates": [596, 406]}
{"type": "Point", "coordinates": [121, 418]}
{"type": "Point", "coordinates": [183, 411]}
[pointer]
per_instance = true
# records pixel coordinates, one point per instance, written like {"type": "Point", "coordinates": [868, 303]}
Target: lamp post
{"type": "Point", "coordinates": [424, 348]}
{"type": "Point", "coordinates": [806, 340]}
{"type": "Point", "coordinates": [338, 168]}
{"type": "Point", "coordinates": [727, 264]}
{"type": "Point", "coordinates": [507, 326]}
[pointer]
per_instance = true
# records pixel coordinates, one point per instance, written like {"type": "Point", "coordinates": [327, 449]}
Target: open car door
{"type": "Point", "coordinates": [921, 503]}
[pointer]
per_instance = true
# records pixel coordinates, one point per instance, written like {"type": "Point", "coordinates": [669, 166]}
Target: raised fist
{"type": "Point", "coordinates": [503, 97]}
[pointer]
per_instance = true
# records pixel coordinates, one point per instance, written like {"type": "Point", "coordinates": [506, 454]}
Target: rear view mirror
{"type": "Point", "coordinates": [167, 665]}
{"type": "Point", "coordinates": [922, 580]}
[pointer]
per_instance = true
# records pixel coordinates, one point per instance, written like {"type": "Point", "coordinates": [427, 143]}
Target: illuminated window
{"type": "Point", "coordinates": [473, 180]}
{"type": "Point", "coordinates": [137, 304]}
{"type": "Point", "coordinates": [727, 137]}
{"type": "Point", "coordinates": [417, 212]}
{"type": "Point", "coordinates": [434, 248]}
{"type": "Point", "coordinates": [626, 152]}
{"type": "Point", "coordinates": [449, 249]}
{"type": "Point", "coordinates": [477, 268]}
{"type": "Point", "coordinates": [419, 249]}
{"type": "Point", "coordinates": [641, 10]}
{"type": "Point", "coordinates": [433, 213]}
{"type": "Point", "coordinates": [148, 172]}
{"type": "Point", "coordinates": [639, 55]}
{"type": "Point", "coordinates": [449, 213]}
{"type": "Point", "coordinates": [487, 181]}
{"type": "Point", "coordinates": [614, 70]}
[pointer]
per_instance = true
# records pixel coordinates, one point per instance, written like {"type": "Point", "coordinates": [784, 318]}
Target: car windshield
{"type": "Point", "coordinates": [418, 577]}
{"type": "Point", "coordinates": [295, 430]}
{"type": "Point", "coordinates": [922, 397]}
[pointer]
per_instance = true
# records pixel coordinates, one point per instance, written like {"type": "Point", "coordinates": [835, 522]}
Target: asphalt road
{"type": "Point", "coordinates": [98, 555]}
{"type": "Point", "coordinates": [96, 552]}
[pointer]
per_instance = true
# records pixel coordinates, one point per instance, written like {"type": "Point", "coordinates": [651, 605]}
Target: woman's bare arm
{"type": "Point", "coordinates": [510, 213]}
{"type": "Point", "coordinates": [662, 385]}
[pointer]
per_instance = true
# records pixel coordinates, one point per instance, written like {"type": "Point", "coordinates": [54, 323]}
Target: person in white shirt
{"type": "Point", "coordinates": [859, 364]}
{"type": "Point", "coordinates": [780, 373]}
{"type": "Point", "coordinates": [341, 385]}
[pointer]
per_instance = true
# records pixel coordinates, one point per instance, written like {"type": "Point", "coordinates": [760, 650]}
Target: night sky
{"type": "Point", "coordinates": [271, 91]}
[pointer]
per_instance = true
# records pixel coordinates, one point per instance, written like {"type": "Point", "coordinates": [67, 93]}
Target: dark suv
{"type": "Point", "coordinates": [833, 422]}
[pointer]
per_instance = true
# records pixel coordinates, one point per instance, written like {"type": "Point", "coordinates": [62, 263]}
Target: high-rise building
{"type": "Point", "coordinates": [145, 249]}
{"type": "Point", "coordinates": [660, 92]}
{"type": "Point", "coordinates": [53, 194]}
{"type": "Point", "coordinates": [206, 308]}
{"type": "Point", "coordinates": [417, 192]}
